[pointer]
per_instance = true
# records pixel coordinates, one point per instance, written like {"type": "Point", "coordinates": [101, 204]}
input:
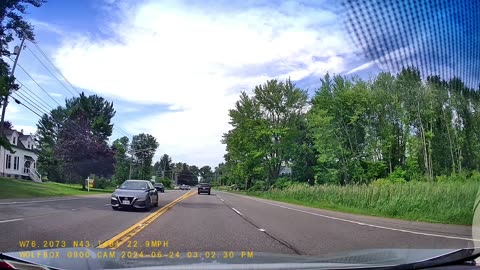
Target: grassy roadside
{"type": "Point", "coordinates": [447, 203]}
{"type": "Point", "coordinates": [12, 188]}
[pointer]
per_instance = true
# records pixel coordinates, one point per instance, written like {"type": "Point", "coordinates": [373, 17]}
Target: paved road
{"type": "Point", "coordinates": [84, 219]}
{"type": "Point", "coordinates": [219, 222]}
{"type": "Point", "coordinates": [228, 222]}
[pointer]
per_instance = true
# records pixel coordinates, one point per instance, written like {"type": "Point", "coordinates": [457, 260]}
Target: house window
{"type": "Point", "coordinates": [28, 145]}
{"type": "Point", "coordinates": [16, 163]}
{"type": "Point", "coordinates": [14, 140]}
{"type": "Point", "coordinates": [8, 162]}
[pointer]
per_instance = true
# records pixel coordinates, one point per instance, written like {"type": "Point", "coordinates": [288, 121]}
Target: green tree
{"type": "Point", "coordinates": [206, 173]}
{"type": "Point", "coordinates": [12, 24]}
{"type": "Point", "coordinates": [84, 120]}
{"type": "Point", "coordinates": [143, 148]}
{"type": "Point", "coordinates": [163, 167]}
{"type": "Point", "coordinates": [122, 161]}
{"type": "Point", "coordinates": [82, 152]}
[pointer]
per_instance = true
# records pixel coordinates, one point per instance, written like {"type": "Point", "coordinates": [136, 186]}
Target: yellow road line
{"type": "Point", "coordinates": [119, 239]}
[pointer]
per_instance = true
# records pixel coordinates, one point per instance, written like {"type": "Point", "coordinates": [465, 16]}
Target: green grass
{"type": "Point", "coordinates": [11, 188]}
{"type": "Point", "coordinates": [449, 202]}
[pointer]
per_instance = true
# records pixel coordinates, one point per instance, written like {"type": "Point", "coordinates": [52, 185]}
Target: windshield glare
{"type": "Point", "coordinates": [133, 185]}
{"type": "Point", "coordinates": [211, 132]}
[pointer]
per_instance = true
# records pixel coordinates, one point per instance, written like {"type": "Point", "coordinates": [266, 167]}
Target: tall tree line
{"type": "Point", "coordinates": [354, 131]}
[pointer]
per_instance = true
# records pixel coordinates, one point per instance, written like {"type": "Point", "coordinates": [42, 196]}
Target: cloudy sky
{"type": "Point", "coordinates": [174, 68]}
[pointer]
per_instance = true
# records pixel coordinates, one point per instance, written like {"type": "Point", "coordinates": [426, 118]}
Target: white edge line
{"type": "Point", "coordinates": [10, 220]}
{"type": "Point", "coordinates": [27, 202]}
{"type": "Point", "coordinates": [238, 212]}
{"type": "Point", "coordinates": [361, 223]}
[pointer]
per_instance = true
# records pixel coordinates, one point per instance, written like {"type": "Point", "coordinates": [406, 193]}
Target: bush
{"type": "Point", "coordinates": [167, 183]}
{"type": "Point", "coordinates": [281, 183]}
{"type": "Point", "coordinates": [102, 183]}
{"type": "Point", "coordinates": [258, 186]}
{"type": "Point", "coordinates": [398, 173]}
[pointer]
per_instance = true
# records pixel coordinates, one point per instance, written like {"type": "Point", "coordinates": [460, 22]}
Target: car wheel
{"type": "Point", "coordinates": [115, 208]}
{"type": "Point", "coordinates": [156, 203]}
{"type": "Point", "coordinates": [209, 193]}
{"type": "Point", "coordinates": [148, 204]}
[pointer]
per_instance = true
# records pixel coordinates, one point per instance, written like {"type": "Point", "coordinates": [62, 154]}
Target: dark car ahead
{"type": "Point", "coordinates": [139, 194]}
{"type": "Point", "coordinates": [204, 188]}
{"type": "Point", "coordinates": [159, 187]}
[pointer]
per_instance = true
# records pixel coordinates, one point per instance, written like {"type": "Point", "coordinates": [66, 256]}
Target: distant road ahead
{"type": "Point", "coordinates": [219, 222]}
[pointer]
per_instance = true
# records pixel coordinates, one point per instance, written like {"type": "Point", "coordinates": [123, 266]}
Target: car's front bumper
{"type": "Point", "coordinates": [134, 203]}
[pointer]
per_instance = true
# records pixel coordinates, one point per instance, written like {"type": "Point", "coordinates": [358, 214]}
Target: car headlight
{"type": "Point", "coordinates": [114, 197]}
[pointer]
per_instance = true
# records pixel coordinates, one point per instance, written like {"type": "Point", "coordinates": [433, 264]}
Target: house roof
{"type": "Point", "coordinates": [22, 137]}
{"type": "Point", "coordinates": [19, 142]}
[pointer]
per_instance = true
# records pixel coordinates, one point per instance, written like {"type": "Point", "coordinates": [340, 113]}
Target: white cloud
{"type": "Point", "coordinates": [40, 25]}
{"type": "Point", "coordinates": [53, 94]}
{"type": "Point", "coordinates": [196, 60]}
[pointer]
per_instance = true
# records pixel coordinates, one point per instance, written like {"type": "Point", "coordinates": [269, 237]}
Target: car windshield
{"type": "Point", "coordinates": [134, 185]}
{"type": "Point", "coordinates": [221, 130]}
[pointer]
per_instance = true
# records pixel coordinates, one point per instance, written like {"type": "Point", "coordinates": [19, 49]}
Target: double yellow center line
{"type": "Point", "coordinates": [121, 238]}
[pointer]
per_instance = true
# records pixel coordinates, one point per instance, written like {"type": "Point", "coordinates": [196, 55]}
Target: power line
{"type": "Point", "coordinates": [18, 102]}
{"type": "Point", "coordinates": [30, 76]}
{"type": "Point", "coordinates": [119, 130]}
{"type": "Point", "coordinates": [32, 103]}
{"type": "Point", "coordinates": [19, 97]}
{"type": "Point", "coordinates": [51, 63]}
{"type": "Point", "coordinates": [122, 131]}
{"type": "Point", "coordinates": [29, 92]}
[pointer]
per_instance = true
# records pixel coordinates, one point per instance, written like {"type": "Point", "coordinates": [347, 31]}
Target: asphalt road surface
{"type": "Point", "coordinates": [219, 222]}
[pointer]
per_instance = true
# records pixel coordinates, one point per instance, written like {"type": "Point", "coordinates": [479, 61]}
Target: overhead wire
{"type": "Point", "coordinates": [34, 104]}
{"type": "Point", "coordinates": [18, 102]}
{"type": "Point", "coordinates": [34, 96]}
{"type": "Point", "coordinates": [53, 65]}
{"type": "Point", "coordinates": [49, 71]}
{"type": "Point", "coordinates": [26, 100]}
{"type": "Point", "coordinates": [115, 127]}
{"type": "Point", "coordinates": [39, 86]}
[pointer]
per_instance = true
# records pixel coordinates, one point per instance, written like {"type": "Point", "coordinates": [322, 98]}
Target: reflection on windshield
{"type": "Point", "coordinates": [133, 185]}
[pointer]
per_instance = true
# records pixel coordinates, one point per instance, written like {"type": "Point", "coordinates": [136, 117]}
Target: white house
{"type": "Point", "coordinates": [22, 163]}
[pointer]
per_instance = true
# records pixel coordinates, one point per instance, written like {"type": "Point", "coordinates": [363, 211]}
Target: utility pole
{"type": "Point", "coordinates": [17, 52]}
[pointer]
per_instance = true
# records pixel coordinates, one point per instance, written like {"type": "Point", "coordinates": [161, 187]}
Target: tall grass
{"type": "Point", "coordinates": [447, 202]}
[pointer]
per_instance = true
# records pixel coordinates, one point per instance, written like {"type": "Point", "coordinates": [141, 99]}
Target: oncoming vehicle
{"type": "Point", "coordinates": [204, 188]}
{"type": "Point", "coordinates": [159, 187]}
{"type": "Point", "coordinates": [138, 194]}
{"type": "Point", "coordinates": [184, 187]}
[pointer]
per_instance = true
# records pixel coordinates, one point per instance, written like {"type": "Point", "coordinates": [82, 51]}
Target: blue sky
{"type": "Point", "coordinates": [174, 68]}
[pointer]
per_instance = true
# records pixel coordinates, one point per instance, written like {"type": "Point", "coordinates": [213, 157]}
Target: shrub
{"type": "Point", "coordinates": [281, 183]}
{"type": "Point", "coordinates": [258, 186]}
{"type": "Point", "coordinates": [398, 173]}
{"type": "Point", "coordinates": [166, 182]}
{"type": "Point", "coordinates": [102, 183]}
